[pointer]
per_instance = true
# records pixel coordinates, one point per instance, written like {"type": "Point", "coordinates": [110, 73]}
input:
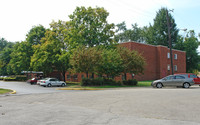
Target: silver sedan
{"type": "Point", "coordinates": [51, 82]}
{"type": "Point", "coordinates": [173, 80]}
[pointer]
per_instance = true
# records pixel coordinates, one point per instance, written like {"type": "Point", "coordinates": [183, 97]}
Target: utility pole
{"type": "Point", "coordinates": [170, 42]}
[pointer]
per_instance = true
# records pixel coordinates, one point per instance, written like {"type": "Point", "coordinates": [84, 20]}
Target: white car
{"type": "Point", "coordinates": [49, 82]}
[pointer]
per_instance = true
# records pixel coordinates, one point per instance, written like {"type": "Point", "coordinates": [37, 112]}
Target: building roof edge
{"type": "Point", "coordinates": [152, 45]}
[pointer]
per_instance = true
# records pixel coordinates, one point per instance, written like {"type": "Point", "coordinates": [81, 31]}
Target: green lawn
{"type": "Point", "coordinates": [3, 91]}
{"type": "Point", "coordinates": [144, 83]}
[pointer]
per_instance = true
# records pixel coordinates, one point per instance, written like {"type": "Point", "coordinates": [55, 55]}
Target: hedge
{"type": "Point", "coordinates": [130, 82]}
{"type": "Point", "coordinates": [99, 82]}
{"type": "Point", "coordinates": [15, 78]}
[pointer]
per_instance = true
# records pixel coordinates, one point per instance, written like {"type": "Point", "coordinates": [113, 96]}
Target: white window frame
{"type": "Point", "coordinates": [175, 56]}
{"type": "Point", "coordinates": [175, 68]}
{"type": "Point", "coordinates": [168, 55]}
{"type": "Point", "coordinates": [168, 67]}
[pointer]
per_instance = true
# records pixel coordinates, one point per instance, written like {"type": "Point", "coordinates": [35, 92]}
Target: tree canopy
{"type": "Point", "coordinates": [35, 34]}
{"type": "Point", "coordinates": [89, 27]}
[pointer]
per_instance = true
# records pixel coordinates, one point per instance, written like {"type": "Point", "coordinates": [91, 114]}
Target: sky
{"type": "Point", "coordinates": [17, 17]}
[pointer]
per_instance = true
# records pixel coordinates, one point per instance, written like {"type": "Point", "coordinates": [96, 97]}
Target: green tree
{"type": "Point", "coordinates": [20, 57]}
{"type": "Point", "coordinates": [5, 58]}
{"type": "Point", "coordinates": [157, 34]}
{"type": "Point", "coordinates": [191, 44]}
{"type": "Point", "coordinates": [111, 63]}
{"type": "Point", "coordinates": [132, 61]}
{"type": "Point", "coordinates": [50, 55]}
{"type": "Point", "coordinates": [125, 35]}
{"type": "Point", "coordinates": [3, 43]}
{"type": "Point", "coordinates": [35, 34]}
{"type": "Point", "coordinates": [85, 59]}
{"type": "Point", "coordinates": [89, 27]}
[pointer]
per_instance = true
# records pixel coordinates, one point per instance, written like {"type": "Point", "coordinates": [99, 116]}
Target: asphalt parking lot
{"type": "Point", "coordinates": [26, 88]}
{"type": "Point", "coordinates": [132, 106]}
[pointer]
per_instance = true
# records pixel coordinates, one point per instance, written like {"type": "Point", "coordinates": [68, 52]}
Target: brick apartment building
{"type": "Point", "coordinates": [158, 62]}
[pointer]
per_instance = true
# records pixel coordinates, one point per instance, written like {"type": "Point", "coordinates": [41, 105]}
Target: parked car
{"type": "Point", "coordinates": [32, 81]}
{"type": "Point", "coordinates": [48, 82]}
{"type": "Point", "coordinates": [191, 75]}
{"type": "Point", "coordinates": [174, 80]}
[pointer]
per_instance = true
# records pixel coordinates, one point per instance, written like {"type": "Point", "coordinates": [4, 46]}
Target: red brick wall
{"type": "Point", "coordinates": [149, 52]}
{"type": "Point", "coordinates": [156, 60]}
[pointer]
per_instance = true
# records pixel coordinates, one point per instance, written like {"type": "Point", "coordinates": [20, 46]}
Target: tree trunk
{"type": "Point", "coordinates": [63, 74]}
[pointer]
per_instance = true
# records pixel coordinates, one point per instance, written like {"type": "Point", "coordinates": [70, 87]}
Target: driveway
{"type": "Point", "coordinates": [26, 88]}
{"type": "Point", "coordinates": [133, 106]}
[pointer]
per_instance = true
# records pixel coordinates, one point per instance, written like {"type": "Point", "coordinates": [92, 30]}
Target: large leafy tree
{"type": "Point", "coordinates": [61, 28]}
{"type": "Point", "coordinates": [35, 34]}
{"type": "Point", "coordinates": [20, 57]}
{"type": "Point", "coordinates": [157, 34]}
{"type": "Point", "coordinates": [132, 61]}
{"type": "Point", "coordinates": [51, 54]}
{"type": "Point", "coordinates": [89, 27]}
{"type": "Point", "coordinates": [85, 59]}
{"type": "Point", "coordinates": [111, 63]}
{"type": "Point", "coordinates": [191, 44]}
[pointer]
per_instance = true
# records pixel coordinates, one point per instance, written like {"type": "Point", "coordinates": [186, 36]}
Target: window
{"type": "Point", "coordinates": [168, 55]}
{"type": "Point", "coordinates": [82, 76]}
{"type": "Point", "coordinates": [175, 67]}
{"type": "Point", "coordinates": [75, 77]}
{"type": "Point", "coordinates": [180, 77]}
{"type": "Point", "coordinates": [68, 76]}
{"type": "Point", "coordinates": [52, 80]}
{"type": "Point", "coordinates": [123, 77]}
{"type": "Point", "coordinates": [193, 76]}
{"type": "Point", "coordinates": [175, 56]}
{"type": "Point", "coordinates": [168, 67]}
{"type": "Point", "coordinates": [169, 77]}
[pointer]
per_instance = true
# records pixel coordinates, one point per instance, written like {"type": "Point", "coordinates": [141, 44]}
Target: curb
{"type": "Point", "coordinates": [13, 92]}
{"type": "Point", "coordinates": [78, 89]}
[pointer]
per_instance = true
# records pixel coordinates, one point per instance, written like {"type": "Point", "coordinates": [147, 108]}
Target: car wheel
{"type": "Point", "coordinates": [49, 85]}
{"type": "Point", "coordinates": [186, 85]}
{"type": "Point", "coordinates": [159, 85]}
{"type": "Point", "coordinates": [63, 84]}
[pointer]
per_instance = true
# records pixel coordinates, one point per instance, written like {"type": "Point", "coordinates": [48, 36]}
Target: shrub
{"type": "Point", "coordinates": [9, 79]}
{"type": "Point", "coordinates": [99, 82]}
{"type": "Point", "coordinates": [70, 82]}
{"type": "Point", "coordinates": [20, 78]}
{"type": "Point", "coordinates": [130, 82]}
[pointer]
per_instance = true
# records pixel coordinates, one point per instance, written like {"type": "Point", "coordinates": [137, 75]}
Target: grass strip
{"type": "Point", "coordinates": [4, 91]}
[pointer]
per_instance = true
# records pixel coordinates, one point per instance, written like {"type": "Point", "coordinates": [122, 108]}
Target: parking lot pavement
{"type": "Point", "coordinates": [133, 106]}
{"type": "Point", "coordinates": [26, 88]}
